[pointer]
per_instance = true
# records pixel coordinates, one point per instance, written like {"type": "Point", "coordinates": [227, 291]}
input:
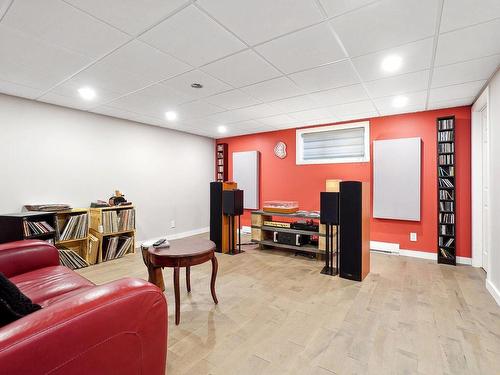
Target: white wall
{"type": "Point", "coordinates": [493, 276]}
{"type": "Point", "coordinates": [51, 154]}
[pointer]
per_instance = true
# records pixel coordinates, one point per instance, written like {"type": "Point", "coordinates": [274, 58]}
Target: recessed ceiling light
{"type": "Point", "coordinates": [171, 115]}
{"type": "Point", "coordinates": [392, 63]}
{"type": "Point", "coordinates": [196, 85]}
{"type": "Point", "coordinates": [87, 93]}
{"type": "Point", "coordinates": [222, 129]}
{"type": "Point", "coordinates": [399, 101]}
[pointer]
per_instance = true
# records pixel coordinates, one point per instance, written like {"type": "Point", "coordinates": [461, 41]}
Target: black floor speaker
{"type": "Point", "coordinates": [354, 230]}
{"type": "Point", "coordinates": [216, 214]}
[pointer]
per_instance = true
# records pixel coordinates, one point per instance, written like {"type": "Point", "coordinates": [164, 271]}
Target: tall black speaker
{"type": "Point", "coordinates": [216, 214]}
{"type": "Point", "coordinates": [232, 202]}
{"type": "Point", "coordinates": [354, 230]}
{"type": "Point", "coordinates": [329, 208]}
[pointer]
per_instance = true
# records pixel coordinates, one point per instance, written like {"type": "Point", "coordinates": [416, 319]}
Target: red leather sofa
{"type": "Point", "coordinates": [116, 328]}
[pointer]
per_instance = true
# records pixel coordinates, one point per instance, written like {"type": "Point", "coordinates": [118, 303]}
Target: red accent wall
{"type": "Point", "coordinates": [282, 179]}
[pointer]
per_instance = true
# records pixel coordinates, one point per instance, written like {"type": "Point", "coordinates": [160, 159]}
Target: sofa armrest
{"type": "Point", "coordinates": [23, 256]}
{"type": "Point", "coordinates": [116, 328]}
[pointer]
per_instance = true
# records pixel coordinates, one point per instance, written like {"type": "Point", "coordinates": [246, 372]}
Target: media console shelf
{"type": "Point", "coordinates": [447, 243]}
{"type": "Point", "coordinates": [263, 234]}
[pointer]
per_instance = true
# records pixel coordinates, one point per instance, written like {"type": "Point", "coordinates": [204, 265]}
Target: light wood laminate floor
{"type": "Point", "coordinates": [278, 315]}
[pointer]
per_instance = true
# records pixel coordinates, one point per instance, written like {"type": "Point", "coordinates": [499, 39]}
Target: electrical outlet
{"type": "Point", "coordinates": [172, 223]}
{"type": "Point", "coordinates": [413, 237]}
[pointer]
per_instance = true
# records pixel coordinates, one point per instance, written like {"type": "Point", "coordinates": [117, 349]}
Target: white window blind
{"type": "Point", "coordinates": [334, 144]}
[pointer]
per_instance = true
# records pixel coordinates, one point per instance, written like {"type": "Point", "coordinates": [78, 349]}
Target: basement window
{"type": "Point", "coordinates": [348, 143]}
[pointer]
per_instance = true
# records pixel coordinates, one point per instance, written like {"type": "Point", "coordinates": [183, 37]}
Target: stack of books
{"type": "Point", "coordinates": [118, 246]}
{"type": "Point", "coordinates": [126, 219]}
{"type": "Point", "coordinates": [32, 228]}
{"type": "Point", "coordinates": [71, 259]}
{"type": "Point", "coordinates": [76, 228]}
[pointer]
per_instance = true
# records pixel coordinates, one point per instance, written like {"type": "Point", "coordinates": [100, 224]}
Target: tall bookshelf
{"type": "Point", "coordinates": [221, 166]}
{"type": "Point", "coordinates": [446, 190]}
{"type": "Point", "coordinates": [105, 229]}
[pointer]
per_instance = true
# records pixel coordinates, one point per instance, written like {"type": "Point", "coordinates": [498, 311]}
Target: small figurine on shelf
{"type": "Point", "coordinates": [118, 199]}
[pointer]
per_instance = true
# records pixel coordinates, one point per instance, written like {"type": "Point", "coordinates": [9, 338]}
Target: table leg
{"type": "Point", "coordinates": [155, 275]}
{"type": "Point", "coordinates": [214, 276]}
{"type": "Point", "coordinates": [177, 296]}
{"type": "Point", "coordinates": [188, 279]}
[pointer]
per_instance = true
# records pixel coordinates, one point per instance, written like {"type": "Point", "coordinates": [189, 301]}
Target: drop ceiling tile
{"type": "Point", "coordinates": [385, 24]}
{"type": "Point", "coordinates": [416, 101]}
{"type": "Point", "coordinates": [277, 120]}
{"type": "Point", "coordinates": [295, 104]}
{"type": "Point", "coordinates": [348, 109]}
{"type": "Point", "coordinates": [359, 116]}
{"type": "Point", "coordinates": [274, 89]}
{"type": "Point", "coordinates": [461, 13]}
{"type": "Point", "coordinates": [193, 37]}
{"type": "Point", "coordinates": [131, 16]}
{"type": "Point", "coordinates": [66, 101]}
{"type": "Point", "coordinates": [128, 69]}
{"type": "Point", "coordinates": [326, 77]}
{"type": "Point", "coordinates": [469, 43]}
{"type": "Point", "coordinates": [396, 85]}
{"type": "Point", "coordinates": [228, 117]}
{"type": "Point", "coordinates": [182, 84]}
{"type": "Point", "coordinates": [258, 111]}
{"type": "Point", "coordinates": [11, 88]}
{"type": "Point", "coordinates": [61, 25]}
{"type": "Point", "coordinates": [242, 69]}
{"type": "Point", "coordinates": [152, 101]}
{"type": "Point", "coordinates": [259, 20]}
{"type": "Point", "coordinates": [303, 49]}
{"type": "Point", "coordinates": [312, 115]}
{"type": "Point", "coordinates": [248, 125]}
{"type": "Point", "coordinates": [415, 56]}
{"type": "Point", "coordinates": [34, 63]}
{"type": "Point", "coordinates": [199, 108]}
{"type": "Point", "coordinates": [346, 94]}
{"type": "Point", "coordinates": [472, 70]}
{"type": "Point", "coordinates": [397, 111]}
{"type": "Point", "coordinates": [451, 103]}
{"type": "Point", "coordinates": [232, 99]}
{"type": "Point", "coordinates": [336, 7]}
{"type": "Point", "coordinates": [463, 90]}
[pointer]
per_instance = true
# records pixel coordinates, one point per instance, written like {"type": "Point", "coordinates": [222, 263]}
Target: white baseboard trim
{"type": "Point", "coordinates": [176, 236]}
{"type": "Point", "coordinates": [420, 254]}
{"type": "Point", "coordinates": [246, 229]}
{"type": "Point", "coordinates": [386, 247]}
{"type": "Point", "coordinates": [493, 291]}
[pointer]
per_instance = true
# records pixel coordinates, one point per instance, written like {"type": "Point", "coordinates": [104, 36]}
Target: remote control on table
{"type": "Point", "coordinates": [159, 242]}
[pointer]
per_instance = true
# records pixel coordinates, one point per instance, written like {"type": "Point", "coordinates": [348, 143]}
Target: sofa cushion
{"type": "Point", "coordinates": [13, 303]}
{"type": "Point", "coordinates": [47, 285]}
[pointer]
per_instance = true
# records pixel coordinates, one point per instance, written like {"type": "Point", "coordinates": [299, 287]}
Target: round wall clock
{"type": "Point", "coordinates": [280, 150]}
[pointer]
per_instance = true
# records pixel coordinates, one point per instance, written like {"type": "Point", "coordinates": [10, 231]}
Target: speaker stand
{"type": "Point", "coordinates": [329, 269]}
{"type": "Point", "coordinates": [232, 249]}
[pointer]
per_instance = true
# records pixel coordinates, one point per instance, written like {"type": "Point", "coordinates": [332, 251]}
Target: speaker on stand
{"type": "Point", "coordinates": [232, 206]}
{"type": "Point", "coordinates": [329, 215]}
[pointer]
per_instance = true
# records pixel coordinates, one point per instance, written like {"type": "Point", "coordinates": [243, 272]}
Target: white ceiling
{"type": "Point", "coordinates": [264, 65]}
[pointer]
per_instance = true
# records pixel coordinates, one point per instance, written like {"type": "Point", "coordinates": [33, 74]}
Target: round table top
{"type": "Point", "coordinates": [183, 248]}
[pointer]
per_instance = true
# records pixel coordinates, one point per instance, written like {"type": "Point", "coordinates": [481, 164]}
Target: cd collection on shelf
{"type": "Point", "coordinates": [76, 228]}
{"type": "Point", "coordinates": [33, 228]}
{"type": "Point", "coordinates": [446, 190]}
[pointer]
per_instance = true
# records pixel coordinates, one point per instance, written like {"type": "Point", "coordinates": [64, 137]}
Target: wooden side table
{"type": "Point", "coordinates": [181, 253]}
